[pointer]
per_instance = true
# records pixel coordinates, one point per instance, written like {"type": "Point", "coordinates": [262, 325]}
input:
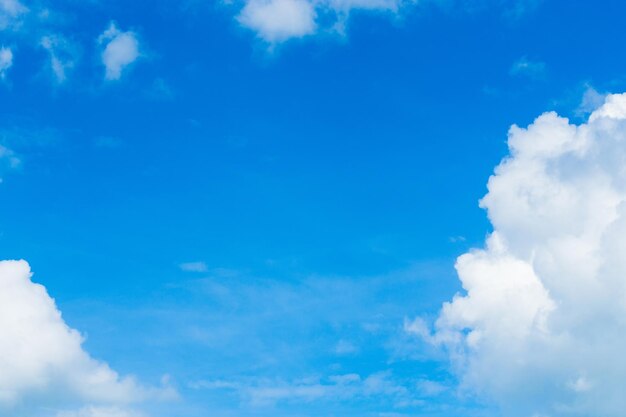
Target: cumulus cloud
{"type": "Point", "coordinates": [279, 20]}
{"type": "Point", "coordinates": [6, 61]}
{"type": "Point", "coordinates": [120, 50]}
{"type": "Point", "coordinates": [541, 326]}
{"type": "Point", "coordinates": [41, 358]}
{"type": "Point", "coordinates": [276, 21]}
{"type": "Point", "coordinates": [345, 347]}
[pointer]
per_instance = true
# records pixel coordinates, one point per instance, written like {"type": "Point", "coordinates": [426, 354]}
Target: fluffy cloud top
{"type": "Point", "coordinates": [6, 61]}
{"type": "Point", "coordinates": [120, 50]}
{"type": "Point", "coordinates": [279, 20]}
{"type": "Point", "coordinates": [541, 328]}
{"type": "Point", "coordinates": [41, 358]}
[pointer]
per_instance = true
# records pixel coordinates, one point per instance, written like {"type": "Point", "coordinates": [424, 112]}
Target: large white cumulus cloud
{"type": "Point", "coordinates": [541, 329]}
{"type": "Point", "coordinates": [42, 360]}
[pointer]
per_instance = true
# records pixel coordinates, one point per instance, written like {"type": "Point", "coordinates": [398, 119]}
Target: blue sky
{"type": "Point", "coordinates": [248, 216]}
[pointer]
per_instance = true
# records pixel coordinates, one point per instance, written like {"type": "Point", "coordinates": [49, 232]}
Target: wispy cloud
{"type": "Point", "coordinates": [8, 160]}
{"type": "Point", "coordinates": [100, 411]}
{"type": "Point", "coordinates": [62, 55]}
{"type": "Point", "coordinates": [6, 61]}
{"type": "Point", "coordinates": [262, 392]}
{"type": "Point", "coordinates": [529, 68]}
{"type": "Point", "coordinates": [591, 100]}
{"type": "Point", "coordinates": [345, 347]}
{"type": "Point", "coordinates": [10, 12]}
{"type": "Point", "coordinates": [194, 267]}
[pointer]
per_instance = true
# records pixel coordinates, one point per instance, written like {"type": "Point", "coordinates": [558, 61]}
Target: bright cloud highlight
{"type": "Point", "coordinates": [276, 21]}
{"type": "Point", "coordinates": [42, 358]}
{"type": "Point", "coordinates": [541, 327]}
{"type": "Point", "coordinates": [279, 20]}
{"type": "Point", "coordinates": [120, 50]}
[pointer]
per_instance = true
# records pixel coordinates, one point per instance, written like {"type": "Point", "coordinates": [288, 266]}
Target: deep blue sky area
{"type": "Point", "coordinates": [323, 186]}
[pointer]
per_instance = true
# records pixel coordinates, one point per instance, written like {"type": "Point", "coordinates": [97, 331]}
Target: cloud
{"type": "Point", "coordinates": [276, 21]}
{"type": "Point", "coordinates": [592, 100]}
{"type": "Point", "coordinates": [120, 50]}
{"type": "Point", "coordinates": [62, 56]}
{"type": "Point", "coordinates": [160, 90]}
{"type": "Point", "coordinates": [261, 392]}
{"type": "Point", "coordinates": [6, 61]}
{"type": "Point", "coordinates": [528, 68]}
{"type": "Point", "coordinates": [194, 267]}
{"type": "Point", "coordinates": [42, 359]}
{"type": "Point", "coordinates": [345, 347]}
{"type": "Point", "coordinates": [8, 160]}
{"type": "Point", "coordinates": [10, 11]}
{"type": "Point", "coordinates": [100, 412]}
{"type": "Point", "coordinates": [540, 327]}
{"type": "Point", "coordinates": [279, 20]}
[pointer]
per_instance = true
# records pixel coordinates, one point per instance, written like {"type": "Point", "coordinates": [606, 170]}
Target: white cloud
{"type": "Point", "coordinates": [262, 392]}
{"type": "Point", "coordinates": [10, 11]}
{"type": "Point", "coordinates": [276, 21]}
{"type": "Point", "coordinates": [62, 56]}
{"type": "Point", "coordinates": [100, 412]}
{"type": "Point", "coordinates": [279, 20]}
{"type": "Point", "coordinates": [6, 61]}
{"type": "Point", "coordinates": [347, 5]}
{"type": "Point", "coordinates": [592, 100]}
{"type": "Point", "coordinates": [194, 267]}
{"type": "Point", "coordinates": [41, 357]}
{"type": "Point", "coordinates": [8, 160]}
{"type": "Point", "coordinates": [120, 50]}
{"type": "Point", "coordinates": [528, 68]}
{"type": "Point", "coordinates": [541, 327]}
